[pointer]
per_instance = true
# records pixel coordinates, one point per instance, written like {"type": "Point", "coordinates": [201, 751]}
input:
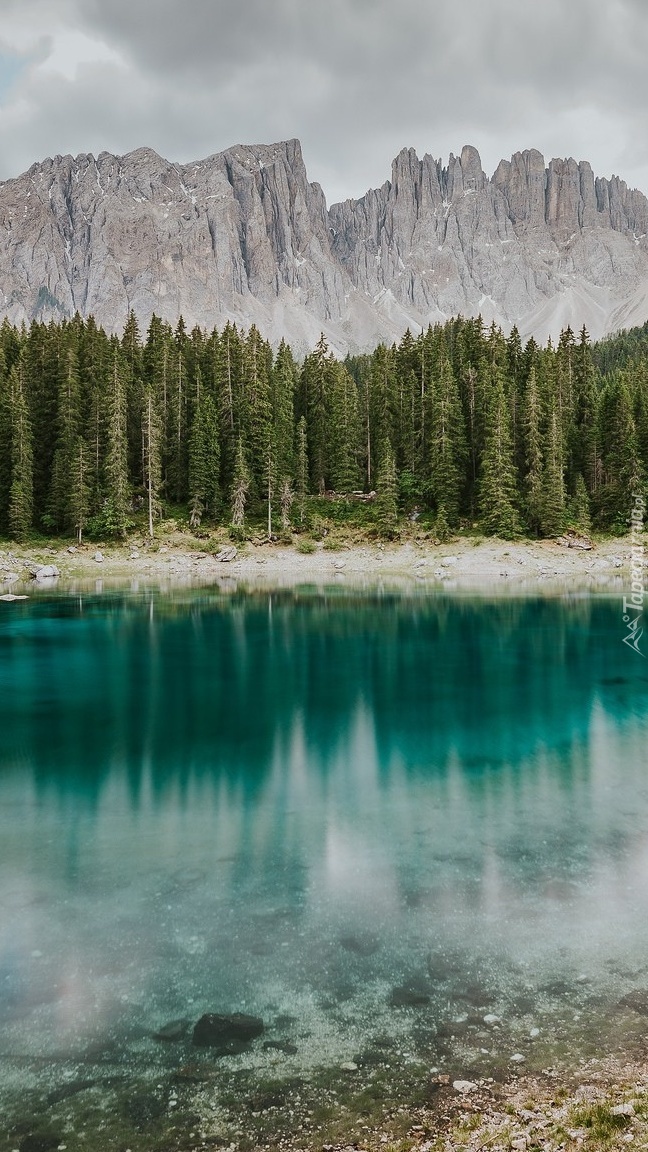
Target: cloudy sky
{"type": "Point", "coordinates": [355, 80]}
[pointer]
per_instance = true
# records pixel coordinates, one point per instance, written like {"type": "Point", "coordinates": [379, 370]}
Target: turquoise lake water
{"type": "Point", "coordinates": [319, 808]}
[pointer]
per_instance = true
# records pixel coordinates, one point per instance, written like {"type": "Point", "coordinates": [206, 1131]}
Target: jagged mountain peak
{"type": "Point", "coordinates": [243, 235]}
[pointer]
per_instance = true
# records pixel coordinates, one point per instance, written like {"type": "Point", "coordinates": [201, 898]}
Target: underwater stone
{"type": "Point", "coordinates": [213, 1030]}
{"type": "Point", "coordinates": [40, 1142]}
{"type": "Point", "coordinates": [174, 1030]}
{"type": "Point", "coordinates": [464, 1086]}
{"type": "Point", "coordinates": [637, 1000]}
{"type": "Point", "coordinates": [408, 998]}
{"type": "Point", "coordinates": [280, 1046]}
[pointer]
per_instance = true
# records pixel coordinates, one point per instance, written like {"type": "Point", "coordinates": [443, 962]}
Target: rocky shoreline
{"type": "Point", "coordinates": [463, 564]}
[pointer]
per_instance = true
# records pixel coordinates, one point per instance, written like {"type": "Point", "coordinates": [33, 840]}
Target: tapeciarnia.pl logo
{"type": "Point", "coordinates": [633, 604]}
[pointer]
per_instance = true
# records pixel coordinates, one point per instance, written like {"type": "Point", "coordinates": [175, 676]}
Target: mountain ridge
{"type": "Point", "coordinates": [243, 235]}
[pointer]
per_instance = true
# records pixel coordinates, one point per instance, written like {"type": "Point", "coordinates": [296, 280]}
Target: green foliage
{"type": "Point", "coordinates": [601, 1121]}
{"type": "Point", "coordinates": [307, 547]}
{"type": "Point", "coordinates": [459, 423]}
{"type": "Point", "coordinates": [387, 492]}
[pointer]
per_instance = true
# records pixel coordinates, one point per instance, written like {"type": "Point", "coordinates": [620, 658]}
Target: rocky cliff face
{"type": "Point", "coordinates": [244, 236]}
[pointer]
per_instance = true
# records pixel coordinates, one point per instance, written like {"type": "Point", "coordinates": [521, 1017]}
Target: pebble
{"type": "Point", "coordinates": [464, 1086]}
{"type": "Point", "coordinates": [517, 1058]}
{"type": "Point", "coordinates": [349, 1066]}
{"type": "Point", "coordinates": [490, 1018]}
{"type": "Point", "coordinates": [534, 1032]}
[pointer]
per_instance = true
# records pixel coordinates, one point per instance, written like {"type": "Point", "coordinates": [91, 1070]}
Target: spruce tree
{"type": "Point", "coordinates": [533, 457]}
{"type": "Point", "coordinates": [314, 390]}
{"type": "Point", "coordinates": [204, 462]}
{"type": "Point", "coordinates": [69, 428]}
{"type": "Point", "coordinates": [447, 441]}
{"type": "Point", "coordinates": [80, 487]}
{"type": "Point", "coordinates": [387, 491]}
{"type": "Point", "coordinates": [552, 516]}
{"type": "Point", "coordinates": [498, 481]}
{"type": "Point", "coordinates": [240, 488]}
{"type": "Point", "coordinates": [5, 443]}
{"type": "Point", "coordinates": [622, 473]}
{"type": "Point", "coordinates": [21, 492]}
{"type": "Point", "coordinates": [301, 471]}
{"type": "Point", "coordinates": [117, 496]}
{"type": "Point", "coordinates": [151, 454]}
{"type": "Point", "coordinates": [345, 431]}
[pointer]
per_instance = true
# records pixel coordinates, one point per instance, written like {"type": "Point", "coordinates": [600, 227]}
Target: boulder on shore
{"type": "Point", "coordinates": [47, 572]}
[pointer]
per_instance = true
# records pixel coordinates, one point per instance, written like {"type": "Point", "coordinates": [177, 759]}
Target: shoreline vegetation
{"type": "Point", "coordinates": [462, 564]}
{"type": "Point", "coordinates": [458, 429]}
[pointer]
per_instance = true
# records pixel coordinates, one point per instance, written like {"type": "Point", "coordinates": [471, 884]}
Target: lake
{"type": "Point", "coordinates": [407, 831]}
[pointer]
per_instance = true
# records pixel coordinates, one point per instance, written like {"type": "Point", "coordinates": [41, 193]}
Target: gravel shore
{"type": "Point", "coordinates": [463, 564]}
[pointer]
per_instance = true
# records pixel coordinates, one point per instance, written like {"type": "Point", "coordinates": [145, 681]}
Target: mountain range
{"type": "Point", "coordinates": [245, 236]}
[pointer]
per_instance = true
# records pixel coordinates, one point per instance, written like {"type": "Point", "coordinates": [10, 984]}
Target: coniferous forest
{"type": "Point", "coordinates": [461, 423]}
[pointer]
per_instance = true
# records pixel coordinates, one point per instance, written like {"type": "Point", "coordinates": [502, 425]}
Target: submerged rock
{"type": "Point", "coordinates": [172, 1031]}
{"type": "Point", "coordinates": [464, 1086]}
{"type": "Point", "coordinates": [280, 1046]}
{"type": "Point", "coordinates": [408, 998]}
{"type": "Point", "coordinates": [360, 944]}
{"type": "Point", "coordinates": [213, 1030]}
{"type": "Point", "coordinates": [231, 1048]}
{"type": "Point", "coordinates": [40, 1142]}
{"type": "Point", "coordinates": [143, 1109]}
{"type": "Point", "coordinates": [637, 1000]}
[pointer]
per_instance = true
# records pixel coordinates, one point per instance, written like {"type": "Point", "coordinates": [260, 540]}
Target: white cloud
{"type": "Point", "coordinates": [356, 80]}
{"type": "Point", "coordinates": [69, 51]}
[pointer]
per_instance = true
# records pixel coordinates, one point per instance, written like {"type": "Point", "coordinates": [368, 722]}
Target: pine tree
{"type": "Point", "coordinates": [287, 496]}
{"type": "Point", "coordinates": [583, 446]}
{"type": "Point", "coordinates": [117, 497]}
{"type": "Point", "coordinates": [314, 388]}
{"type": "Point", "coordinates": [622, 474]}
{"type": "Point", "coordinates": [552, 517]}
{"type": "Point", "coordinates": [80, 487]}
{"type": "Point", "coordinates": [204, 462]}
{"type": "Point", "coordinates": [579, 507]}
{"type": "Point", "coordinates": [5, 443]}
{"type": "Point", "coordinates": [301, 476]}
{"type": "Point", "coordinates": [21, 491]}
{"type": "Point", "coordinates": [447, 440]}
{"type": "Point", "coordinates": [69, 427]}
{"type": "Point", "coordinates": [345, 430]}
{"type": "Point", "coordinates": [387, 491]}
{"type": "Point", "coordinates": [497, 482]}
{"type": "Point", "coordinates": [132, 348]}
{"type": "Point", "coordinates": [240, 488]}
{"type": "Point", "coordinates": [533, 458]}
{"type": "Point", "coordinates": [151, 455]}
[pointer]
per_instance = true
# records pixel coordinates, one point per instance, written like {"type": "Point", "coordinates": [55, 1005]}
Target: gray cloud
{"type": "Point", "coordinates": [356, 80]}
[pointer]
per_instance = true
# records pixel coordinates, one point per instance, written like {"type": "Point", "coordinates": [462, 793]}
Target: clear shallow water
{"type": "Point", "coordinates": [293, 804]}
